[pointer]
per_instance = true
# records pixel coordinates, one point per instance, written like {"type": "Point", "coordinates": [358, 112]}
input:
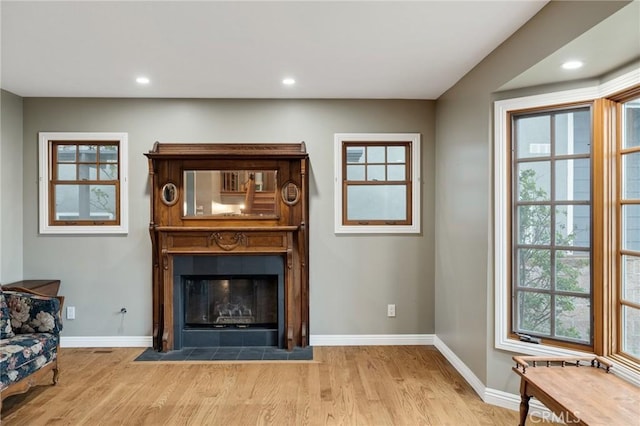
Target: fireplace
{"type": "Point", "coordinates": [230, 248]}
{"type": "Point", "coordinates": [249, 301]}
{"type": "Point", "coordinates": [229, 300]}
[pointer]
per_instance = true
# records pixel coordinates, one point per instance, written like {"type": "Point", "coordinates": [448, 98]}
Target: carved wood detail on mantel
{"type": "Point", "coordinates": [174, 231]}
{"type": "Point", "coordinates": [227, 241]}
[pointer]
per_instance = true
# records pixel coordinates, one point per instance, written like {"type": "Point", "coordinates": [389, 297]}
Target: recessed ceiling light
{"type": "Point", "coordinates": [288, 81]}
{"type": "Point", "coordinates": [572, 65]}
{"type": "Point", "coordinates": [142, 80]}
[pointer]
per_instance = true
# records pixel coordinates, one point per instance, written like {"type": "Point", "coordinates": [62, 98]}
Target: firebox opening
{"type": "Point", "coordinates": [230, 301]}
{"type": "Point", "coordinates": [248, 292]}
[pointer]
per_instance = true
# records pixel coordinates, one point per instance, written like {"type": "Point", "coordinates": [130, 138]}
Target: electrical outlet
{"type": "Point", "coordinates": [71, 312]}
{"type": "Point", "coordinates": [391, 310]}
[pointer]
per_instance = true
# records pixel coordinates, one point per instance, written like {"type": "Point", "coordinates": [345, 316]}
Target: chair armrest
{"type": "Point", "coordinates": [31, 312]}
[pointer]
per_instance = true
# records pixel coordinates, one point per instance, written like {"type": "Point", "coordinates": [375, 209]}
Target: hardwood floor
{"type": "Point", "coordinates": [369, 385]}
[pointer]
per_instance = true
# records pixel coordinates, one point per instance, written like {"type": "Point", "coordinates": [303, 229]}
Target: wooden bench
{"type": "Point", "coordinates": [579, 390]}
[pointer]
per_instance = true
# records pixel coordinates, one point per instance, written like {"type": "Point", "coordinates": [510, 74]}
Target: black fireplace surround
{"type": "Point", "coordinates": [228, 300]}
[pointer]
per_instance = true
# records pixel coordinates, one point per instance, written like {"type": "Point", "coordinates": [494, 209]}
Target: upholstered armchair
{"type": "Point", "coordinates": [30, 326]}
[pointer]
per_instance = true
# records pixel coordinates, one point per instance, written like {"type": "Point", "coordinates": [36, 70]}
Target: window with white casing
{"type": "Point", "coordinates": [567, 240]}
{"type": "Point", "coordinates": [377, 182]}
{"type": "Point", "coordinates": [83, 183]}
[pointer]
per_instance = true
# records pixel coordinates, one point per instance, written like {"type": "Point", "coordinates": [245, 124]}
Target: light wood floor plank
{"type": "Point", "coordinates": [370, 385]}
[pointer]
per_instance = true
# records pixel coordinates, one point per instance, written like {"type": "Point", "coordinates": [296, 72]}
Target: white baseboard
{"type": "Point", "coordinates": [106, 341]}
{"type": "Point", "coordinates": [314, 340]}
{"type": "Point", "coordinates": [489, 395]}
{"type": "Point", "coordinates": [512, 402]}
{"type": "Point", "coordinates": [461, 367]}
{"type": "Point", "coordinates": [371, 339]}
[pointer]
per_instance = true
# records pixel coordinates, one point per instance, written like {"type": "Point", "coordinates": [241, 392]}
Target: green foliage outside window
{"type": "Point", "coordinates": [534, 309]}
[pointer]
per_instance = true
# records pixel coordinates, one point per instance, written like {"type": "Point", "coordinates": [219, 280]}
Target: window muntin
{"type": "Point", "coordinates": [83, 183]}
{"type": "Point", "coordinates": [628, 304]}
{"type": "Point", "coordinates": [551, 264]}
{"type": "Point", "coordinates": [377, 182]}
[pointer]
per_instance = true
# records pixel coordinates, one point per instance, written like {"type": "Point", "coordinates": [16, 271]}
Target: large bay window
{"type": "Point", "coordinates": [567, 222]}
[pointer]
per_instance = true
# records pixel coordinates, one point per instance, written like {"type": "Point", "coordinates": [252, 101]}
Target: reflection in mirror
{"type": "Point", "coordinates": [230, 192]}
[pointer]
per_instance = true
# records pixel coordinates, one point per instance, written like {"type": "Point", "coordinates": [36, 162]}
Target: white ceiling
{"type": "Point", "coordinates": [241, 49]}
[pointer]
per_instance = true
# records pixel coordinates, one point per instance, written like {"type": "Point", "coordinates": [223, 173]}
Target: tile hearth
{"type": "Point", "coordinates": [227, 353]}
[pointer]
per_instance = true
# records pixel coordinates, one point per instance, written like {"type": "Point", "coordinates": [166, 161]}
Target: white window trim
{"type": "Point", "coordinates": [502, 245]}
{"type": "Point", "coordinates": [44, 148]}
{"type": "Point", "coordinates": [414, 138]}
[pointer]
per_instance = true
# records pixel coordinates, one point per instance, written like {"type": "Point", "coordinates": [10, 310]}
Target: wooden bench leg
{"type": "Point", "coordinates": [524, 403]}
{"type": "Point", "coordinates": [524, 409]}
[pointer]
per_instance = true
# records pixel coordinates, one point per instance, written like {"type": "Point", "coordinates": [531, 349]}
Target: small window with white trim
{"type": "Point", "coordinates": [83, 183]}
{"type": "Point", "coordinates": [377, 183]}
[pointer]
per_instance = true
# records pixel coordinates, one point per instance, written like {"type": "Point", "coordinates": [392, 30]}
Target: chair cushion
{"type": "Point", "coordinates": [31, 313]}
{"type": "Point", "coordinates": [5, 321]}
{"type": "Point", "coordinates": [25, 353]}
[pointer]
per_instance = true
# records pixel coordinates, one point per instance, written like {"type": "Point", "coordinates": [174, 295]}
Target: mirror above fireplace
{"type": "Point", "coordinates": [230, 192]}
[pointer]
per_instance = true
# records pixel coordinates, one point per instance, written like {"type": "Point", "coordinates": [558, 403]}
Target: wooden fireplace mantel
{"type": "Point", "coordinates": [283, 230]}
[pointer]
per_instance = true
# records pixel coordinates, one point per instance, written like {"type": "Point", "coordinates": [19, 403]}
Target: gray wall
{"type": "Point", "coordinates": [11, 188]}
{"type": "Point", "coordinates": [352, 278]}
{"type": "Point", "coordinates": [464, 194]}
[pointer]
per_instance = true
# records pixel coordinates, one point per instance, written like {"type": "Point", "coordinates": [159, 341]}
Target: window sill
{"type": "Point", "coordinates": [83, 230]}
{"type": "Point", "coordinates": [379, 229]}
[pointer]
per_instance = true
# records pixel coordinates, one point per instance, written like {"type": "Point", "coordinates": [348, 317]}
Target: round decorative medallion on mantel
{"type": "Point", "coordinates": [169, 194]}
{"type": "Point", "coordinates": [290, 193]}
